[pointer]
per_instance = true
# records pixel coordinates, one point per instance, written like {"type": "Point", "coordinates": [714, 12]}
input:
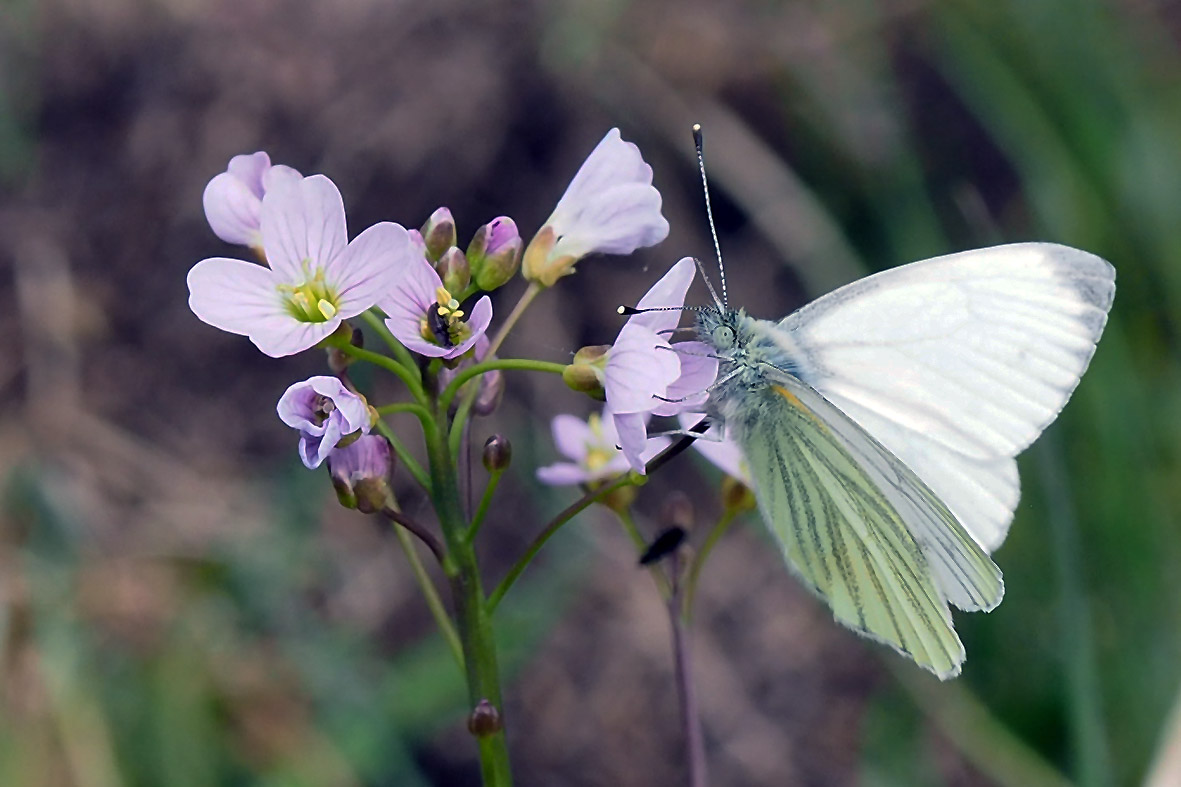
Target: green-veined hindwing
{"type": "Point", "coordinates": [861, 529]}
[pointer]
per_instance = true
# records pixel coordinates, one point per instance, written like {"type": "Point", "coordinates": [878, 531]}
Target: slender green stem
{"type": "Point", "coordinates": [404, 454]}
{"type": "Point", "coordinates": [410, 378]}
{"type": "Point", "coordinates": [475, 370]}
{"type": "Point", "coordinates": [485, 501]}
{"type": "Point", "coordinates": [568, 513]}
{"type": "Point", "coordinates": [472, 612]}
{"type": "Point", "coordinates": [633, 532]}
{"type": "Point", "coordinates": [531, 292]}
{"type": "Point", "coordinates": [396, 347]}
{"type": "Point", "coordinates": [715, 534]}
{"type": "Point", "coordinates": [431, 594]}
{"type": "Point", "coordinates": [404, 407]}
{"type": "Point", "coordinates": [459, 424]}
{"type": "Point", "coordinates": [683, 668]}
{"type": "Point", "coordinates": [554, 525]}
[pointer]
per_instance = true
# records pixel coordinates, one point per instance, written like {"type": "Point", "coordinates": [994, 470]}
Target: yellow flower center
{"type": "Point", "coordinates": [314, 300]}
{"type": "Point", "coordinates": [443, 323]}
{"type": "Point", "coordinates": [598, 453]}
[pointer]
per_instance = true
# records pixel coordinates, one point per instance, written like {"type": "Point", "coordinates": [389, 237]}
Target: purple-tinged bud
{"type": "Point", "coordinates": [484, 720]}
{"type": "Point", "coordinates": [438, 233]}
{"type": "Point", "coordinates": [338, 360]}
{"type": "Point", "coordinates": [491, 393]}
{"type": "Point", "coordinates": [495, 253]}
{"type": "Point", "coordinates": [585, 374]}
{"type": "Point", "coordinates": [360, 474]}
{"type": "Point", "coordinates": [498, 453]}
{"type": "Point", "coordinates": [737, 496]}
{"type": "Point", "coordinates": [453, 269]}
{"type": "Point", "coordinates": [677, 511]}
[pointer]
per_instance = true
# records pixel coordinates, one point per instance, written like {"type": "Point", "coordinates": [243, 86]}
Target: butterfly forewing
{"type": "Point", "coordinates": [957, 363]}
{"type": "Point", "coordinates": [861, 529]}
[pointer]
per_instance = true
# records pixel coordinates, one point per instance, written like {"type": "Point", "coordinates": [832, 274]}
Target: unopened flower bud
{"type": "Point", "coordinates": [339, 360]}
{"type": "Point", "coordinates": [498, 453]}
{"type": "Point", "coordinates": [484, 720]}
{"type": "Point", "coordinates": [491, 392]}
{"type": "Point", "coordinates": [453, 269]}
{"type": "Point", "coordinates": [737, 496]}
{"type": "Point", "coordinates": [621, 499]}
{"type": "Point", "coordinates": [495, 253]}
{"type": "Point", "coordinates": [677, 511]}
{"type": "Point", "coordinates": [438, 233]}
{"type": "Point", "coordinates": [585, 373]}
{"type": "Point", "coordinates": [360, 474]}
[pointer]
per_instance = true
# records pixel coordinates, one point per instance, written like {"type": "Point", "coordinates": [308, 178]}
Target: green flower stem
{"type": "Point", "coordinates": [485, 501]}
{"type": "Point", "coordinates": [658, 576]}
{"type": "Point", "coordinates": [527, 364]}
{"type": "Point", "coordinates": [473, 614]}
{"type": "Point", "coordinates": [654, 464]}
{"type": "Point", "coordinates": [433, 601]}
{"type": "Point", "coordinates": [404, 454]}
{"type": "Point", "coordinates": [404, 373]}
{"type": "Point", "coordinates": [719, 530]}
{"type": "Point", "coordinates": [396, 347]}
{"type": "Point", "coordinates": [404, 407]}
{"type": "Point", "coordinates": [562, 518]}
{"type": "Point", "coordinates": [465, 407]}
{"type": "Point", "coordinates": [531, 292]}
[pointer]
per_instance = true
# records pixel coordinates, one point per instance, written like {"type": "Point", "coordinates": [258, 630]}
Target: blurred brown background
{"type": "Point", "coordinates": [181, 603]}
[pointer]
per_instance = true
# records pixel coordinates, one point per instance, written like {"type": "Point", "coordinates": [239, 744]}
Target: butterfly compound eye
{"type": "Point", "coordinates": [723, 336]}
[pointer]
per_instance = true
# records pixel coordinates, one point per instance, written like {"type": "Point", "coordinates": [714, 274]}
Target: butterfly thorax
{"type": "Point", "coordinates": [748, 357]}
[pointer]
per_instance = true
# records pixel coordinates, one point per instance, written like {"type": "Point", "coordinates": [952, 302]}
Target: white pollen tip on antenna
{"type": "Point", "coordinates": [621, 310]}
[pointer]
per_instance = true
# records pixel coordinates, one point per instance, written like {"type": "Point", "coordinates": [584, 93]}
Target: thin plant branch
{"type": "Point", "coordinates": [424, 535]}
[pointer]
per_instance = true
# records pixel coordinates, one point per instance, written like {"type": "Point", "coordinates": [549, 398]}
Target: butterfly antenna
{"type": "Point", "coordinates": [709, 212]}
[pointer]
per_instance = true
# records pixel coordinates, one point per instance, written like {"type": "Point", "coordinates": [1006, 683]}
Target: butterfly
{"type": "Point", "coordinates": [881, 423]}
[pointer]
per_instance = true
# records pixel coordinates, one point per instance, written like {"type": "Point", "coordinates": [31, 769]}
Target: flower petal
{"type": "Point", "coordinates": [232, 210]}
{"type": "Point", "coordinates": [632, 429]}
{"type": "Point", "coordinates": [249, 169]}
{"type": "Point", "coordinates": [282, 336]}
{"type": "Point", "coordinates": [477, 323]}
{"type": "Point", "coordinates": [612, 162]}
{"type": "Point", "coordinates": [667, 293]}
{"type": "Point", "coordinates": [370, 266]}
{"type": "Point", "coordinates": [640, 366]}
{"type": "Point", "coordinates": [698, 372]}
{"type": "Point", "coordinates": [563, 474]}
{"type": "Point", "coordinates": [350, 408]}
{"type": "Point", "coordinates": [726, 455]}
{"type": "Point", "coordinates": [302, 220]}
{"type": "Point", "coordinates": [406, 304]}
{"type": "Point", "coordinates": [572, 436]}
{"type": "Point", "coordinates": [616, 221]}
{"type": "Point", "coordinates": [233, 295]}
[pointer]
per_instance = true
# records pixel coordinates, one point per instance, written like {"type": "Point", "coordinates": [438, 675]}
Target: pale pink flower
{"type": "Point", "coordinates": [591, 450]}
{"type": "Point", "coordinates": [233, 199]}
{"type": "Point", "coordinates": [427, 319]}
{"type": "Point", "coordinates": [610, 206]}
{"type": "Point", "coordinates": [724, 454]}
{"type": "Point", "coordinates": [324, 412]}
{"type": "Point", "coordinates": [315, 279]}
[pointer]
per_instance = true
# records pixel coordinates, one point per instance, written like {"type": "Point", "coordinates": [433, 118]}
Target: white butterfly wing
{"type": "Point", "coordinates": [957, 363]}
{"type": "Point", "coordinates": [860, 528]}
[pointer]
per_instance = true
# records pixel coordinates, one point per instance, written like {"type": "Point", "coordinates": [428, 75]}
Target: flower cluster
{"type": "Point", "coordinates": [312, 278]}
